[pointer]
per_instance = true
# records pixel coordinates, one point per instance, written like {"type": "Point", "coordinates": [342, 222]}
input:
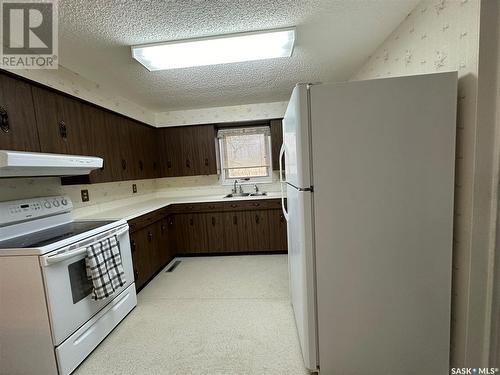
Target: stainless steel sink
{"type": "Point", "coordinates": [259, 194]}
{"type": "Point", "coordinates": [236, 195]}
{"type": "Point", "coordinates": [239, 195]}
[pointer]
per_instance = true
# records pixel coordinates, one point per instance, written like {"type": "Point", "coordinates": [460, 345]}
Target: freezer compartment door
{"type": "Point", "coordinates": [296, 139]}
{"type": "Point", "coordinates": [301, 268]}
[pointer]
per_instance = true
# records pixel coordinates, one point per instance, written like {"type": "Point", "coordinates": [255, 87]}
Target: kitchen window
{"type": "Point", "coordinates": [245, 154]}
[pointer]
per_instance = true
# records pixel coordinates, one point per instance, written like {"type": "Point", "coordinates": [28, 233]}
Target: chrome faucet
{"type": "Point", "coordinates": [235, 187]}
{"type": "Point", "coordinates": [256, 188]}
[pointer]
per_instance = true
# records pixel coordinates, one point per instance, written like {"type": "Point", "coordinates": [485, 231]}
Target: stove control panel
{"type": "Point", "coordinates": [29, 209]}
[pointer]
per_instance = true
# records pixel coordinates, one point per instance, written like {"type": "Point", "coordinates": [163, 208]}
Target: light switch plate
{"type": "Point", "coordinates": [134, 188]}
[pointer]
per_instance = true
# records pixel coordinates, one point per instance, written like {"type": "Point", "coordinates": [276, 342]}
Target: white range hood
{"type": "Point", "coordinates": [30, 164]}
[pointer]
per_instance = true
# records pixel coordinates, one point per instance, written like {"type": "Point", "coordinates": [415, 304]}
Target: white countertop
{"type": "Point", "coordinates": [131, 208]}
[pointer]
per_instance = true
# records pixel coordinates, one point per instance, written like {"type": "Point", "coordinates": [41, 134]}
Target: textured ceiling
{"type": "Point", "coordinates": [333, 38]}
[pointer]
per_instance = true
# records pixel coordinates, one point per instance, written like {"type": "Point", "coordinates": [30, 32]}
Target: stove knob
{"type": "Point", "coordinates": [64, 202]}
{"type": "Point", "coordinates": [47, 204]}
{"type": "Point", "coordinates": [55, 203]}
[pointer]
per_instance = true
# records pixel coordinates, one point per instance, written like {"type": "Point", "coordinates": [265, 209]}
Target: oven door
{"type": "Point", "coordinates": [69, 291]}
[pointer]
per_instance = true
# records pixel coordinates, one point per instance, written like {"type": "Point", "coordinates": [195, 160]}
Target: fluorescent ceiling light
{"type": "Point", "coordinates": [220, 49]}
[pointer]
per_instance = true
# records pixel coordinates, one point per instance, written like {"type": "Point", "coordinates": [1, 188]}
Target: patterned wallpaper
{"type": "Point", "coordinates": [437, 36]}
{"type": "Point", "coordinates": [247, 112]}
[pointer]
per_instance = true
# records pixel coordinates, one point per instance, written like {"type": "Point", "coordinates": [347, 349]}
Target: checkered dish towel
{"type": "Point", "coordinates": [104, 267]}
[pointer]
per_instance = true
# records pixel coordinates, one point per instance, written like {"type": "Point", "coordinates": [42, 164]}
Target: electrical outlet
{"type": "Point", "coordinates": [85, 195]}
{"type": "Point", "coordinates": [134, 188]}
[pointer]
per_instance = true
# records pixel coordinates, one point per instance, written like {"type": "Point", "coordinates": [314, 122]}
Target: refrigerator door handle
{"type": "Point", "coordinates": [282, 153]}
{"type": "Point", "coordinates": [282, 182]}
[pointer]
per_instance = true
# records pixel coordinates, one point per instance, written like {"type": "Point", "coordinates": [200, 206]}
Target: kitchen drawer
{"type": "Point", "coordinates": [261, 204]}
{"type": "Point", "coordinates": [236, 205]}
{"type": "Point", "coordinates": [146, 220]}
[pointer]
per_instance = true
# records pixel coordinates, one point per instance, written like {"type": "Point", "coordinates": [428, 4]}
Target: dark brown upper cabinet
{"type": "Point", "coordinates": [187, 151]}
{"type": "Point", "coordinates": [36, 118]}
{"type": "Point", "coordinates": [17, 117]}
{"type": "Point", "coordinates": [61, 124]}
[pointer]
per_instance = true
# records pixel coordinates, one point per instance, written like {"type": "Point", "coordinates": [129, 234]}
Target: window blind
{"type": "Point", "coordinates": [245, 152]}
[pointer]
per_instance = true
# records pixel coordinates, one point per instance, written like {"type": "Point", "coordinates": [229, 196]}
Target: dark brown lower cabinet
{"type": "Point", "coordinates": [278, 231]}
{"type": "Point", "coordinates": [141, 256]}
{"type": "Point", "coordinates": [230, 227]}
{"type": "Point", "coordinates": [151, 249]}
{"type": "Point", "coordinates": [258, 226]}
{"type": "Point", "coordinates": [235, 232]}
{"type": "Point", "coordinates": [204, 228]}
{"type": "Point", "coordinates": [215, 232]}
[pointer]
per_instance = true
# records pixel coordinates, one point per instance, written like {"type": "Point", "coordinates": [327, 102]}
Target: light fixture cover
{"type": "Point", "coordinates": [222, 49]}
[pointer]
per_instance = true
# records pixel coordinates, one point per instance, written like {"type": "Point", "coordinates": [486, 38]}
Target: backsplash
{"type": "Point", "coordinates": [20, 188]}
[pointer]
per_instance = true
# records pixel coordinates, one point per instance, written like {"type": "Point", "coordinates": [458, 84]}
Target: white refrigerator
{"type": "Point", "coordinates": [369, 180]}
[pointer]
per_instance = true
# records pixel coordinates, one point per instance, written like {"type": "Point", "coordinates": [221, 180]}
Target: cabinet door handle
{"type": "Point", "coordinates": [257, 219]}
{"type": "Point", "coordinates": [163, 228]}
{"type": "Point", "coordinates": [188, 163]}
{"type": "Point", "coordinates": [4, 120]}
{"type": "Point", "coordinates": [136, 274]}
{"type": "Point", "coordinates": [133, 246]}
{"type": "Point", "coordinates": [206, 162]}
{"type": "Point", "coordinates": [141, 165]}
{"type": "Point", "coordinates": [191, 222]}
{"type": "Point", "coordinates": [213, 221]}
{"type": "Point", "coordinates": [169, 164]}
{"type": "Point", "coordinates": [63, 130]}
{"type": "Point", "coordinates": [154, 166]}
{"type": "Point", "coordinates": [255, 204]}
{"type": "Point", "coordinates": [235, 220]}
{"type": "Point", "coordinates": [124, 164]}
{"type": "Point", "coordinates": [150, 236]}
{"type": "Point", "coordinates": [233, 206]}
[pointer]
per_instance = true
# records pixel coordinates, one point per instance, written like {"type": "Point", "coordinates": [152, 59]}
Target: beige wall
{"type": "Point", "coordinates": [441, 36]}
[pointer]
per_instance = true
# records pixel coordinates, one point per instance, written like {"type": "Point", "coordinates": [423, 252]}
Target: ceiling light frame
{"type": "Point", "coordinates": [196, 52]}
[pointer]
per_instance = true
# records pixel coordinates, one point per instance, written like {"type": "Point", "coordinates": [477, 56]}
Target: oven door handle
{"type": "Point", "coordinates": [52, 259]}
{"type": "Point", "coordinates": [59, 258]}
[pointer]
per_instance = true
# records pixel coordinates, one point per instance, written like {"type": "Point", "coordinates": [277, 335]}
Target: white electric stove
{"type": "Point", "coordinates": [49, 322]}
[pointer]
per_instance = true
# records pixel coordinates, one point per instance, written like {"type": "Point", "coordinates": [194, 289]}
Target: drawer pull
{"type": "Point", "coordinates": [257, 219]}
{"type": "Point", "coordinates": [150, 236]}
{"type": "Point", "coordinates": [213, 221]}
{"type": "Point", "coordinates": [235, 220]}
